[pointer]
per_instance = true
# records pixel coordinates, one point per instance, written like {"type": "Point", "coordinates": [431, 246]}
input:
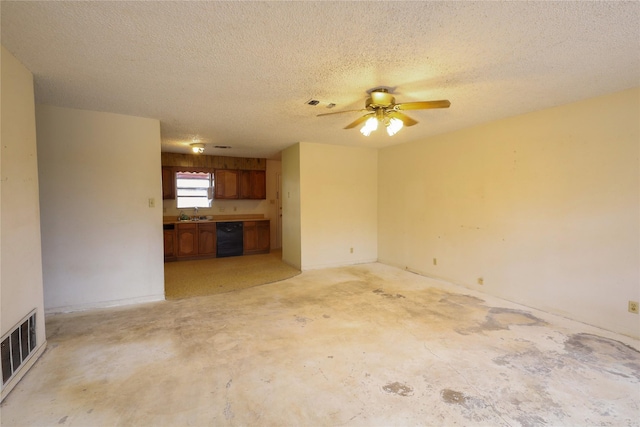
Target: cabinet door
{"type": "Point", "coordinates": [245, 184]}
{"type": "Point", "coordinates": [256, 237]}
{"type": "Point", "coordinates": [226, 184]}
{"type": "Point", "coordinates": [168, 183]}
{"type": "Point", "coordinates": [258, 184]}
{"type": "Point", "coordinates": [264, 244]}
{"type": "Point", "coordinates": [169, 244]}
{"type": "Point", "coordinates": [187, 240]}
{"type": "Point", "coordinates": [207, 239]}
{"type": "Point", "coordinates": [250, 237]}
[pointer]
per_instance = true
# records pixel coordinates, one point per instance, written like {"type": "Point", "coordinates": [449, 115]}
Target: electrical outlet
{"type": "Point", "coordinates": [633, 307]}
{"type": "Point", "coordinates": [152, 202]}
{"type": "Point", "coordinates": [350, 250]}
{"type": "Point", "coordinates": [480, 281]}
{"type": "Point", "coordinates": [435, 261]}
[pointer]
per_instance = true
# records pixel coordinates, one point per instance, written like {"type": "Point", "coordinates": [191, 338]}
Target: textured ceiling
{"type": "Point", "coordinates": [240, 73]}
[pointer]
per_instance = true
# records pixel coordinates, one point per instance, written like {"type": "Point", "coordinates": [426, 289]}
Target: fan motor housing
{"type": "Point", "coordinates": [380, 98]}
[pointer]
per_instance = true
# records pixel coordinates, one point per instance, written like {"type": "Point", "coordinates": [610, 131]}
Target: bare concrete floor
{"type": "Point", "coordinates": [364, 345]}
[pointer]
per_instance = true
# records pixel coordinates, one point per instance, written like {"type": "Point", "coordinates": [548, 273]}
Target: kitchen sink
{"type": "Point", "coordinates": [195, 219]}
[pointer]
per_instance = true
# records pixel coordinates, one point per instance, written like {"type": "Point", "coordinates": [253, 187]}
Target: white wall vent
{"type": "Point", "coordinates": [17, 345]}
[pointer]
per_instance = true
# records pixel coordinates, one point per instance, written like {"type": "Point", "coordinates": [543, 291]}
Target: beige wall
{"type": "Point", "coordinates": [20, 247]}
{"type": "Point", "coordinates": [291, 216]}
{"type": "Point", "coordinates": [544, 207]}
{"type": "Point", "coordinates": [101, 241]}
{"type": "Point", "coordinates": [338, 199]}
{"type": "Point", "coordinates": [274, 170]}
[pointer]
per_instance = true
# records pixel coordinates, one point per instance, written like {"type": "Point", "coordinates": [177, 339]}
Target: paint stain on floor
{"type": "Point", "coordinates": [501, 318]}
{"type": "Point", "coordinates": [399, 389]}
{"type": "Point", "coordinates": [387, 295]}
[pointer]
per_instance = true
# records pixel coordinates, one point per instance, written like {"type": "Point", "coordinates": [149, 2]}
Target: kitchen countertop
{"type": "Point", "coordinates": [215, 218]}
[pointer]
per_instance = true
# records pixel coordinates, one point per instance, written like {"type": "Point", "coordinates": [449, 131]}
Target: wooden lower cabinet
{"type": "Point", "coordinates": [192, 240]}
{"type": "Point", "coordinates": [170, 244]}
{"type": "Point", "coordinates": [256, 237]}
{"type": "Point", "coordinates": [207, 239]}
{"type": "Point", "coordinates": [187, 236]}
{"type": "Point", "coordinates": [196, 240]}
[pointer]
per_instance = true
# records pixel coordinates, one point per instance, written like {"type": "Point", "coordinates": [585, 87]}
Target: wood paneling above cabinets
{"type": "Point", "coordinates": [213, 162]}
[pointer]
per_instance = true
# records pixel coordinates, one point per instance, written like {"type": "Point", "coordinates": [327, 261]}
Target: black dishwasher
{"type": "Point", "coordinates": [229, 239]}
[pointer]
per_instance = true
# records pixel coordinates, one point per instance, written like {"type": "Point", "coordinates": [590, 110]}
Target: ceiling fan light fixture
{"type": "Point", "coordinates": [394, 126]}
{"type": "Point", "coordinates": [197, 148]}
{"type": "Point", "coordinates": [369, 126]}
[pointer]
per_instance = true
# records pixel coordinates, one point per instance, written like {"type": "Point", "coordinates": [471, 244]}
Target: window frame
{"type": "Point", "coordinates": [210, 188]}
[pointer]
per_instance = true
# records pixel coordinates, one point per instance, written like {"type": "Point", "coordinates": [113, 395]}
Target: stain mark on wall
{"type": "Point", "coordinates": [398, 388]}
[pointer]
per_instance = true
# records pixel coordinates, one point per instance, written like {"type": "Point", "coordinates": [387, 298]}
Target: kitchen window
{"type": "Point", "coordinates": [194, 189]}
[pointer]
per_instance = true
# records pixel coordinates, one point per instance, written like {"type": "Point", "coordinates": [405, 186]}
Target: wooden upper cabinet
{"type": "Point", "coordinates": [253, 184]}
{"type": "Point", "coordinates": [245, 184]}
{"type": "Point", "coordinates": [226, 184]}
{"type": "Point", "coordinates": [168, 183]}
{"type": "Point", "coordinates": [258, 185]}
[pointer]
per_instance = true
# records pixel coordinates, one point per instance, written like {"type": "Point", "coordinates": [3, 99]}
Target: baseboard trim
{"type": "Point", "coordinates": [103, 304]}
{"type": "Point", "coordinates": [338, 264]}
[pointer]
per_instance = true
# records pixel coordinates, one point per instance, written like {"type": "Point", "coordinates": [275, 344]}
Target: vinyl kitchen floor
{"type": "Point", "coordinates": [366, 345]}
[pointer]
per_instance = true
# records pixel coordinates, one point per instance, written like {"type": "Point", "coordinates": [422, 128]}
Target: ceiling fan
{"type": "Point", "coordinates": [381, 107]}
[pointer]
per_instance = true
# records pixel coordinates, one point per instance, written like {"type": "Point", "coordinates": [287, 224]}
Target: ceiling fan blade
{"type": "Point", "coordinates": [340, 112]}
{"type": "Point", "coordinates": [406, 120]}
{"type": "Point", "coordinates": [422, 105]}
{"type": "Point", "coordinates": [360, 120]}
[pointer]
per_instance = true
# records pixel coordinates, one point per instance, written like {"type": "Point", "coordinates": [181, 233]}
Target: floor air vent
{"type": "Point", "coordinates": [17, 345]}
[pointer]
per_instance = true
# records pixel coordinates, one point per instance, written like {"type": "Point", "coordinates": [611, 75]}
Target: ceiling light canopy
{"type": "Point", "coordinates": [197, 148]}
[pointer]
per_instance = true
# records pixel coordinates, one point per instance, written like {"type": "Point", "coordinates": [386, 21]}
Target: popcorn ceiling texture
{"type": "Point", "coordinates": [240, 73]}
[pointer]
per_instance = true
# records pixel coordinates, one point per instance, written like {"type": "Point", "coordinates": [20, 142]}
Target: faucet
{"type": "Point", "coordinates": [195, 213]}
